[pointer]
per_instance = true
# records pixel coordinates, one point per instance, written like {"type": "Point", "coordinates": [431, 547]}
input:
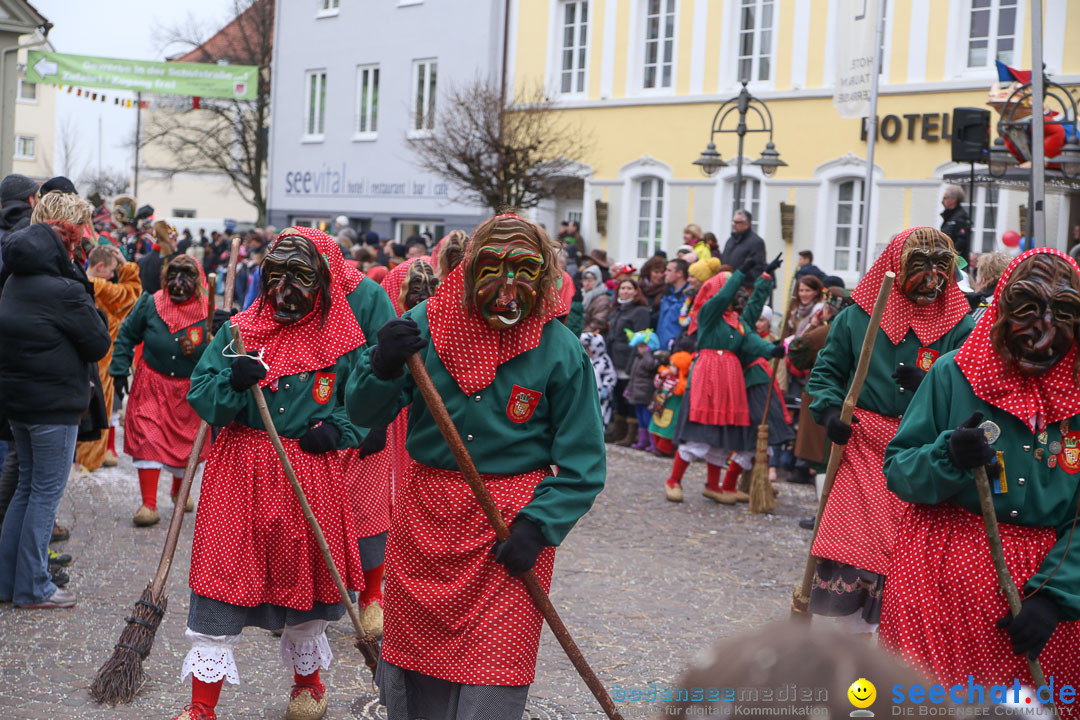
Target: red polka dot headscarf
{"type": "Point", "coordinates": [708, 290]}
{"type": "Point", "coordinates": [308, 344]}
{"type": "Point", "coordinates": [1047, 398]}
{"type": "Point", "coordinates": [929, 322]}
{"type": "Point", "coordinates": [393, 280]}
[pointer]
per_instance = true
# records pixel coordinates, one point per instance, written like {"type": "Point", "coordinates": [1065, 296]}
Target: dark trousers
{"type": "Point", "coordinates": [9, 479]}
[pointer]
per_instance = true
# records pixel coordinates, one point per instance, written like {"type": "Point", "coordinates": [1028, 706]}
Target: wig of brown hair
{"type": "Point", "coordinates": [451, 253]}
{"type": "Point", "coordinates": [500, 229]}
{"type": "Point", "coordinates": [1058, 269]}
{"type": "Point", "coordinates": [322, 273]}
{"type": "Point", "coordinates": [923, 238]}
{"type": "Point", "coordinates": [420, 278]}
{"type": "Point", "coordinates": [165, 234]}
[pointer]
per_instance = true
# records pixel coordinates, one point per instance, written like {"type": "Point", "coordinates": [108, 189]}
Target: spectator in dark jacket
{"type": "Point", "coordinates": [52, 333]}
{"type": "Point", "coordinates": [18, 195]}
{"type": "Point", "coordinates": [744, 245]}
{"type": "Point", "coordinates": [807, 266]}
{"type": "Point", "coordinates": [955, 221]}
{"type": "Point", "coordinates": [628, 312]}
{"type": "Point", "coordinates": [677, 276]}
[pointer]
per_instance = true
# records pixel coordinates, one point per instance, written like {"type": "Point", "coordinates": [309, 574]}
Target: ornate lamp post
{"type": "Point", "coordinates": [739, 108]}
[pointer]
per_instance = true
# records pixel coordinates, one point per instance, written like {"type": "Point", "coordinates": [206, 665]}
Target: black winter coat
{"type": "Point", "coordinates": [957, 225]}
{"type": "Point", "coordinates": [742, 247]}
{"type": "Point", "coordinates": [623, 317]}
{"type": "Point", "coordinates": [15, 215]}
{"type": "Point", "coordinates": [50, 332]}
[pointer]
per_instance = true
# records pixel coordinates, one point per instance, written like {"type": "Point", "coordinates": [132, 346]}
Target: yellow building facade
{"type": "Point", "coordinates": [644, 78]}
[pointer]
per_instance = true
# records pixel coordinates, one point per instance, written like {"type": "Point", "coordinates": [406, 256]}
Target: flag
{"type": "Point", "coordinates": [854, 56]}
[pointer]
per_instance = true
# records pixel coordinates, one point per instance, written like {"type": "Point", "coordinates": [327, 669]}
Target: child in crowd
{"type": "Point", "coordinates": [639, 390]}
{"type": "Point", "coordinates": [603, 368]}
{"type": "Point", "coordinates": [670, 383]}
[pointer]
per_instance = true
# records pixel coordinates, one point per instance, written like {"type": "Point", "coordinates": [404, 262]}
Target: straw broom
{"type": "Point", "coordinates": [762, 497]}
{"type": "Point", "coordinates": [121, 677]}
{"type": "Point", "coordinates": [800, 598]}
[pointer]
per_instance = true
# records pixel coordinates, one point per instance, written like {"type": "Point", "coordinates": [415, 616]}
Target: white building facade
{"type": "Point", "coordinates": [353, 82]}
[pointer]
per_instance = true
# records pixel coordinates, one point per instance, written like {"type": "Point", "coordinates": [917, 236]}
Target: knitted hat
{"type": "Point", "coordinates": [16, 187]}
{"type": "Point", "coordinates": [58, 184]}
{"type": "Point", "coordinates": [705, 269]}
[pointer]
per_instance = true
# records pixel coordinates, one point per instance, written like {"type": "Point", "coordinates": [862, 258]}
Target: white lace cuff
{"type": "Point", "coordinates": [210, 658]}
{"type": "Point", "coordinates": [304, 647]}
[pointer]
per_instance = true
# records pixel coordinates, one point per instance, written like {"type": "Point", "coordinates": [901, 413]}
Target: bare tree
{"type": "Point", "coordinates": [68, 145]}
{"type": "Point", "coordinates": [497, 155]}
{"type": "Point", "coordinates": [222, 136]}
{"type": "Point", "coordinates": [107, 183]}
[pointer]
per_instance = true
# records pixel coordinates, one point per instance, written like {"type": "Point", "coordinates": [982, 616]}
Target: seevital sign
{"type": "Point", "coordinates": [234, 82]}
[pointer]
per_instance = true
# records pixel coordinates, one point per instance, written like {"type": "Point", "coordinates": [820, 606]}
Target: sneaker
{"type": "Point", "coordinates": [59, 577]}
{"type": "Point", "coordinates": [144, 517]}
{"type": "Point", "coordinates": [61, 559]}
{"type": "Point", "coordinates": [306, 703]}
{"type": "Point", "coordinates": [59, 599]}
{"type": "Point", "coordinates": [110, 459]}
{"type": "Point", "coordinates": [196, 711]}
{"type": "Point", "coordinates": [59, 533]}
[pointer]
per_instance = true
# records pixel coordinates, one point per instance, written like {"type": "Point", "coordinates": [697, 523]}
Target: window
{"type": "Point", "coordinates": [315, 115]}
{"type": "Point", "coordinates": [27, 91]}
{"type": "Point", "coordinates": [991, 32]}
{"type": "Point", "coordinates": [25, 147]}
{"type": "Point", "coordinates": [319, 223]}
{"type": "Point", "coordinates": [984, 219]}
{"type": "Point", "coordinates": [650, 220]}
{"type": "Point", "coordinates": [425, 74]}
{"type": "Point", "coordinates": [751, 200]}
{"type": "Point", "coordinates": [756, 40]}
{"type": "Point", "coordinates": [848, 226]}
{"type": "Point", "coordinates": [659, 43]}
{"type": "Point", "coordinates": [367, 102]}
{"type": "Point", "coordinates": [328, 8]}
{"type": "Point", "coordinates": [408, 228]}
{"type": "Point", "coordinates": [575, 36]}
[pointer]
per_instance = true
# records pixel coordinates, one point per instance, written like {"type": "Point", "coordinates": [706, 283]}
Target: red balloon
{"type": "Point", "coordinates": [1010, 238]}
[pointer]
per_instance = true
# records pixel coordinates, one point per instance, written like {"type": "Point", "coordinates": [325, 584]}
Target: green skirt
{"type": "Point", "coordinates": [663, 422]}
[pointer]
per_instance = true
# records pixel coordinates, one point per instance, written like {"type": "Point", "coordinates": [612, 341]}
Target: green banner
{"type": "Point", "coordinates": [237, 82]}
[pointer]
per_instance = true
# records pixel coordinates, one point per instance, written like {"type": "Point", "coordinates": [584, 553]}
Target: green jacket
{"type": "Point", "coordinates": [293, 405]}
{"type": "Point", "coordinates": [372, 308]}
{"type": "Point", "coordinates": [918, 469]}
{"type": "Point", "coordinates": [564, 429]}
{"type": "Point", "coordinates": [835, 366]}
{"type": "Point", "coordinates": [161, 348]}
{"type": "Point", "coordinates": [755, 374]}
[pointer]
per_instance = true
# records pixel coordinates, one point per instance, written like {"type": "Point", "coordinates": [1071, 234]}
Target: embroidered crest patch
{"type": "Point", "coordinates": [1069, 457]}
{"type": "Point", "coordinates": [925, 359]}
{"type": "Point", "coordinates": [323, 389]}
{"type": "Point", "coordinates": [522, 404]}
{"type": "Point", "coordinates": [194, 334]}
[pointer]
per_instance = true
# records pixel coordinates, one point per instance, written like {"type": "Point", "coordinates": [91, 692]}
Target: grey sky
{"type": "Point", "coordinates": [121, 29]}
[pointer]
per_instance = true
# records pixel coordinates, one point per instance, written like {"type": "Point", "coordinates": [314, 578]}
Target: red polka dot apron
{"type": "Point", "coordinates": [400, 460]}
{"type": "Point", "coordinates": [943, 600]}
{"type": "Point", "coordinates": [252, 544]}
{"type": "Point", "coordinates": [861, 517]}
{"type": "Point", "coordinates": [159, 423]}
{"type": "Point", "coordinates": [452, 612]}
{"type": "Point", "coordinates": [369, 482]}
{"type": "Point", "coordinates": [718, 390]}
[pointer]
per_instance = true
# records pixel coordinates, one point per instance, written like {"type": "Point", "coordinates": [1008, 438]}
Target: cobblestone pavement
{"type": "Point", "coordinates": [642, 584]}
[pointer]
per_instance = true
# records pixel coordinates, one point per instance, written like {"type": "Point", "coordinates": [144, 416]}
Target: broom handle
{"type": "Point", "coordinates": [1005, 581]}
{"type": "Point", "coordinates": [211, 304]}
{"type": "Point", "coordinates": [157, 585]}
{"type": "Point", "coordinates": [836, 454]}
{"type": "Point", "coordinates": [313, 523]}
{"type": "Point", "coordinates": [776, 361]}
{"type": "Point", "coordinates": [502, 532]}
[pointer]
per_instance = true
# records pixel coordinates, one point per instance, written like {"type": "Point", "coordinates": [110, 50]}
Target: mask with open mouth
{"type": "Point", "coordinates": [927, 266]}
{"type": "Point", "coordinates": [506, 273]}
{"type": "Point", "coordinates": [181, 278]}
{"type": "Point", "coordinates": [1039, 314]}
{"type": "Point", "coordinates": [294, 279]}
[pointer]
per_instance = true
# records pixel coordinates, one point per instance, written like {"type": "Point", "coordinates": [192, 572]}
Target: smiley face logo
{"type": "Point", "coordinates": [862, 693]}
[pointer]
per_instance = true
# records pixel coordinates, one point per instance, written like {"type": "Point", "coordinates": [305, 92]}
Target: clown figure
{"type": "Point", "coordinates": [461, 633]}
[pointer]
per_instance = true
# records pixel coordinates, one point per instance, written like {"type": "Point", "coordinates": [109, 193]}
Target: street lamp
{"type": "Point", "coordinates": [710, 161]}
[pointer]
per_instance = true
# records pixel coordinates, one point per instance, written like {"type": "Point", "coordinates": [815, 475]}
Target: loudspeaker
{"type": "Point", "coordinates": [970, 134]}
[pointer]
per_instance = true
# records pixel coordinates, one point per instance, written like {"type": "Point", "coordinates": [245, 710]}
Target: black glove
{"type": "Point", "coordinates": [748, 268]}
{"type": "Point", "coordinates": [374, 442]}
{"type": "Point", "coordinates": [908, 377]}
{"type": "Point", "coordinates": [221, 315]}
{"type": "Point", "coordinates": [519, 553]}
{"type": "Point", "coordinates": [968, 447]}
{"type": "Point", "coordinates": [776, 262]}
{"type": "Point", "coordinates": [120, 387]}
{"type": "Point", "coordinates": [1031, 629]}
{"type": "Point", "coordinates": [320, 439]}
{"type": "Point", "coordinates": [246, 371]}
{"type": "Point", "coordinates": [837, 430]}
{"type": "Point", "coordinates": [398, 339]}
{"type": "Point", "coordinates": [778, 350]}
